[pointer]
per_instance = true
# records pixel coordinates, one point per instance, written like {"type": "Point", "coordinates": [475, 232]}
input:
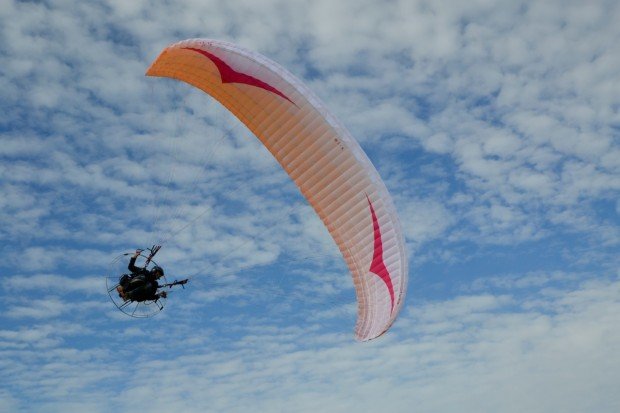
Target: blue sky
{"type": "Point", "coordinates": [494, 126]}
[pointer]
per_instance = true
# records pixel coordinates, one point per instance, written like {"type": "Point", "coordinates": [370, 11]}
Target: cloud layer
{"type": "Point", "coordinates": [494, 126]}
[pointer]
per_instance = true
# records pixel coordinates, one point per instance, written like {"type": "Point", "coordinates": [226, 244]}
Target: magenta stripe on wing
{"type": "Point", "coordinates": [230, 75]}
{"type": "Point", "coordinates": [378, 265]}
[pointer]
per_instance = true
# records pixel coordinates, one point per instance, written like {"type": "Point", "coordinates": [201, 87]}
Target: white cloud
{"type": "Point", "coordinates": [51, 282]}
{"type": "Point", "coordinates": [425, 221]}
{"type": "Point", "coordinates": [37, 309]}
{"type": "Point", "coordinates": [494, 127]}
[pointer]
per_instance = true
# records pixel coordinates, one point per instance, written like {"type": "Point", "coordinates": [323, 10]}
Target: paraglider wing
{"type": "Point", "coordinates": [321, 157]}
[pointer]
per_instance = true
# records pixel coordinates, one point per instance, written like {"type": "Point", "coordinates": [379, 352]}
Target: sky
{"type": "Point", "coordinates": [495, 126]}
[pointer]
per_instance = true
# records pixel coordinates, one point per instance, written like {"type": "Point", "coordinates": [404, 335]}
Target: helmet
{"type": "Point", "coordinates": [158, 269]}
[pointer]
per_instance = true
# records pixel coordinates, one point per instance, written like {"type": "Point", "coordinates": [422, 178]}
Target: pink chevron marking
{"type": "Point", "coordinates": [230, 75]}
{"type": "Point", "coordinates": [377, 266]}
